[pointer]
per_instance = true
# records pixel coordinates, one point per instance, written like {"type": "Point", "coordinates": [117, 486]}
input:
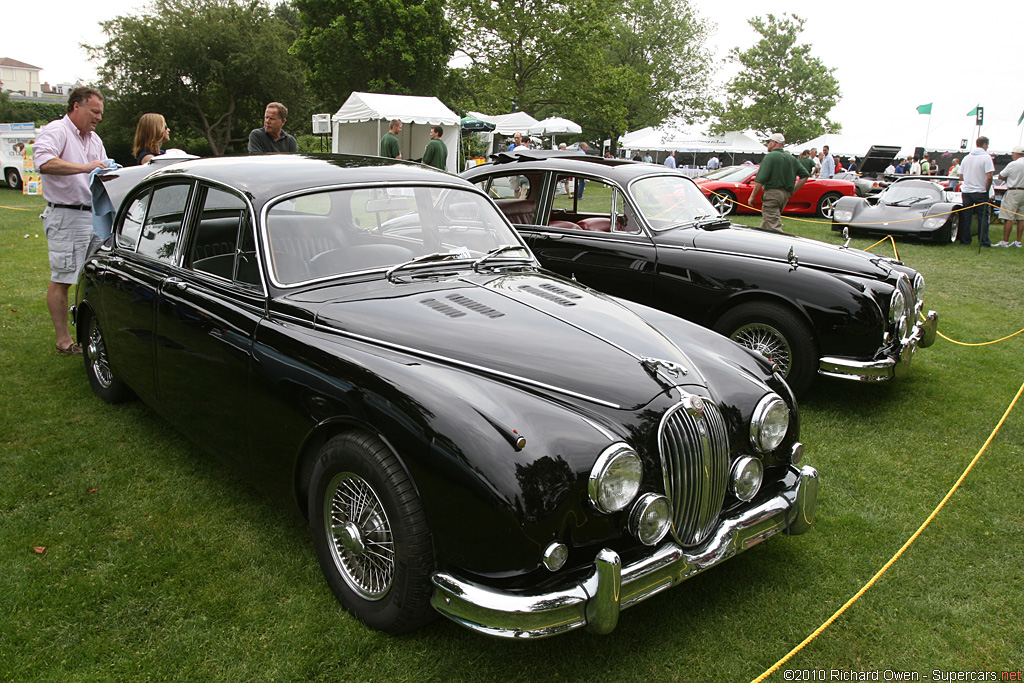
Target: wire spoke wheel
{"type": "Point", "coordinates": [767, 341]}
{"type": "Point", "coordinates": [362, 546]}
{"type": "Point", "coordinates": [96, 351]}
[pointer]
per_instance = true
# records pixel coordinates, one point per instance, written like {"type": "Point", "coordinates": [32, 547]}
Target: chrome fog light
{"type": "Point", "coordinates": [769, 423]}
{"type": "Point", "coordinates": [615, 478]}
{"type": "Point", "coordinates": [650, 518]}
{"type": "Point", "coordinates": [745, 478]}
{"type": "Point", "coordinates": [555, 555]}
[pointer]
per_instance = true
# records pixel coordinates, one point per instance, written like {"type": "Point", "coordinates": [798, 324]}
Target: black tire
{"type": "Point", "coordinates": [827, 203]}
{"type": "Point", "coordinates": [724, 201]}
{"type": "Point", "coordinates": [13, 178]}
{"type": "Point", "coordinates": [778, 334]}
{"type": "Point", "coordinates": [370, 534]}
{"type": "Point", "coordinates": [97, 365]}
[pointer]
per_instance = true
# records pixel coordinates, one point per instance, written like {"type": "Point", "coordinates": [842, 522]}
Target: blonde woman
{"type": "Point", "coordinates": [150, 135]}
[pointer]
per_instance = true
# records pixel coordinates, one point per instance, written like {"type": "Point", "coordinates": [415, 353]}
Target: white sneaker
{"type": "Point", "coordinates": [1002, 243]}
{"type": "Point", "coordinates": [1016, 244]}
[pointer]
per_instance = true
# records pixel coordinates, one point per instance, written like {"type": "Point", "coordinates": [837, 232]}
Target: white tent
{"type": "Point", "coordinates": [505, 124]}
{"type": "Point", "coordinates": [668, 139]}
{"type": "Point", "coordinates": [365, 117]}
{"type": "Point", "coordinates": [555, 125]}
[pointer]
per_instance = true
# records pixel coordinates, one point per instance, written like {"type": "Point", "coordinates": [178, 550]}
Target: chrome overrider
{"type": "Point", "coordinates": [595, 601]}
{"type": "Point", "coordinates": [923, 335]}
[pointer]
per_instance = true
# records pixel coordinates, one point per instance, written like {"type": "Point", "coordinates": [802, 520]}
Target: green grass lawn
{"type": "Point", "coordinates": [163, 564]}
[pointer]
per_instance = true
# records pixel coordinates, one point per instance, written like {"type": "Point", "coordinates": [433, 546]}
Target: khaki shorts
{"type": "Point", "coordinates": [1012, 208]}
{"type": "Point", "coordinates": [69, 239]}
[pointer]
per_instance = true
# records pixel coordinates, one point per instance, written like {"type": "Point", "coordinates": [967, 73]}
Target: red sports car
{"type": "Point", "coordinates": [729, 190]}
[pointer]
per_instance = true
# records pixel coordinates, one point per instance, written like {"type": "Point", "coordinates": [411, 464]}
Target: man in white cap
{"type": "Point", "coordinates": [777, 176]}
{"type": "Point", "coordinates": [1012, 208]}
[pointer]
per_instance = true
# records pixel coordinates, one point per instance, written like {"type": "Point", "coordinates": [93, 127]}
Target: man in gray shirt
{"type": "Point", "coordinates": [271, 137]}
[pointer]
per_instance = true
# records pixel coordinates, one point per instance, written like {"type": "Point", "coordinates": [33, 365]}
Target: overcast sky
{"type": "Point", "coordinates": [889, 58]}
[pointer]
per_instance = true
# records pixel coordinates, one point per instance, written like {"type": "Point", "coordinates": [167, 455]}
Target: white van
{"type": "Point", "coordinates": [13, 136]}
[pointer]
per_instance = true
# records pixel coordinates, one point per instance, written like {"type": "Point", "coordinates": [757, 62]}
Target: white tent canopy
{"type": "Point", "coordinates": [507, 124]}
{"type": "Point", "coordinates": [365, 117]}
{"type": "Point", "coordinates": [665, 140]}
{"type": "Point", "coordinates": [555, 125]}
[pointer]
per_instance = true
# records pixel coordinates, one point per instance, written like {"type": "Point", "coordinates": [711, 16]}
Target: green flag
{"type": "Point", "coordinates": [1021, 119]}
{"type": "Point", "coordinates": [973, 112]}
{"type": "Point", "coordinates": [925, 108]}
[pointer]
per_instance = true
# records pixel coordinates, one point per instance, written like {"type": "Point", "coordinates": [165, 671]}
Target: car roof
{"type": "Point", "coordinates": [622, 170]}
{"type": "Point", "coordinates": [267, 175]}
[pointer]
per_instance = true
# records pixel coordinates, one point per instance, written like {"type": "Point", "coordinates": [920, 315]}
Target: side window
{"type": "Point", "coordinates": [222, 219]}
{"type": "Point", "coordinates": [163, 222]}
{"type": "Point", "coordinates": [588, 204]}
{"type": "Point", "coordinates": [130, 229]}
{"type": "Point", "coordinates": [516, 195]}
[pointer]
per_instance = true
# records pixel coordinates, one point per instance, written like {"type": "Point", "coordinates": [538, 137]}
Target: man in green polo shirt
{"type": "Point", "coordinates": [389, 145]}
{"type": "Point", "coordinates": [436, 154]}
{"type": "Point", "coordinates": [777, 176]}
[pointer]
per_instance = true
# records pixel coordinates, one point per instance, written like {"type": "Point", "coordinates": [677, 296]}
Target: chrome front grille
{"type": "Point", "coordinates": [695, 460]}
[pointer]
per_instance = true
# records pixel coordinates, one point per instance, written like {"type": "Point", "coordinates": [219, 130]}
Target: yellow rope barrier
{"type": "Point", "coordinates": [16, 208]}
{"type": "Point", "coordinates": [900, 552]}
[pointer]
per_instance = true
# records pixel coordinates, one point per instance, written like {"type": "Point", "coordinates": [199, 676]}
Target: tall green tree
{"type": "Point", "coordinates": [781, 87]}
{"type": "Point", "coordinates": [530, 54]}
{"type": "Point", "coordinates": [388, 46]}
{"type": "Point", "coordinates": [655, 67]}
{"type": "Point", "coordinates": [209, 66]}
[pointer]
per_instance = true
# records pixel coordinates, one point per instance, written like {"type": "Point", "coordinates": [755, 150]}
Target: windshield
{"type": "Point", "coordinates": [732, 174]}
{"type": "Point", "coordinates": [670, 200]}
{"type": "Point", "coordinates": [916, 192]}
{"type": "Point", "coordinates": [330, 233]}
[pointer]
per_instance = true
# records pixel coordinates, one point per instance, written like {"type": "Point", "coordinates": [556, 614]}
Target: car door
{"type": "Point", "coordinates": [206, 319]}
{"type": "Point", "coordinates": [141, 258]}
{"type": "Point", "coordinates": [590, 233]}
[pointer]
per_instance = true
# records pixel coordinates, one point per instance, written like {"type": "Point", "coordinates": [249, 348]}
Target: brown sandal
{"type": "Point", "coordinates": [72, 350]}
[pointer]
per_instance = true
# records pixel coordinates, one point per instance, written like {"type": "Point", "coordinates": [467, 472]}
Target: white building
{"type": "Point", "coordinates": [19, 77]}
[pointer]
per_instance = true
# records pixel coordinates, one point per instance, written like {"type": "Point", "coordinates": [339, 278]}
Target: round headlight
{"type": "Point", "coordinates": [650, 518]}
{"type": "Point", "coordinates": [897, 306]}
{"type": "Point", "coordinates": [769, 423]}
{"type": "Point", "coordinates": [615, 478]}
{"type": "Point", "coordinates": [745, 479]}
{"type": "Point", "coordinates": [842, 216]}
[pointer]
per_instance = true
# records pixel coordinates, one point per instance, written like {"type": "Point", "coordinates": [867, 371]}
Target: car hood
{"type": "Point", "coordinates": [528, 328]}
{"type": "Point", "coordinates": [738, 239]}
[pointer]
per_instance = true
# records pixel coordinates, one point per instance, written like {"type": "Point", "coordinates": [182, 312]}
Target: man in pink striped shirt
{"type": "Point", "coordinates": [66, 152]}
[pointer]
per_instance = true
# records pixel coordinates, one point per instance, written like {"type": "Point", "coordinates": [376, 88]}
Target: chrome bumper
{"type": "Point", "coordinates": [922, 336]}
{"type": "Point", "coordinates": [595, 601]}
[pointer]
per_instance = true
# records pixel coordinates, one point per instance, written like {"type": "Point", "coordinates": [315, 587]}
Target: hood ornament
{"type": "Point", "coordinates": [791, 257]}
{"type": "Point", "coordinates": [664, 368]}
{"type": "Point", "coordinates": [846, 236]}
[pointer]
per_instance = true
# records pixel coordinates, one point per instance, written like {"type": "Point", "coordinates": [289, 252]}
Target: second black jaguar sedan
{"type": "Point", "coordinates": [467, 434]}
{"type": "Point", "coordinates": [646, 233]}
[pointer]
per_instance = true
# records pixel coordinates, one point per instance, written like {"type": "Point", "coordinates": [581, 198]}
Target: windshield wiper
{"type": "Point", "coordinates": [427, 258]}
{"type": "Point", "coordinates": [912, 200]}
{"type": "Point", "coordinates": [494, 252]}
{"type": "Point", "coordinates": [709, 221]}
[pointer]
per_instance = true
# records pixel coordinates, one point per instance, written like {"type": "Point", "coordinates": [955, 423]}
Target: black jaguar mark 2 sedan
{"type": "Point", "coordinates": [646, 233]}
{"type": "Point", "coordinates": [465, 433]}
